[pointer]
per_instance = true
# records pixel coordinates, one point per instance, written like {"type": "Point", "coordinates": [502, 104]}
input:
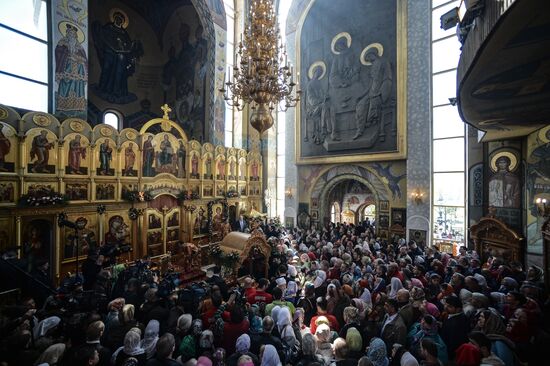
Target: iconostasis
{"type": "Point", "coordinates": [152, 189]}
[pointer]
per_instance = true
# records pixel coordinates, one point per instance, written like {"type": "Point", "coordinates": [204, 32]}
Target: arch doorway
{"type": "Point", "coordinates": [347, 200]}
{"type": "Point", "coordinates": [366, 211]}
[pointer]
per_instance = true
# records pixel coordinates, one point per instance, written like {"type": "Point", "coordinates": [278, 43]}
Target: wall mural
{"type": "Point", "coordinates": [504, 183]}
{"type": "Point", "coordinates": [537, 184]}
{"type": "Point", "coordinates": [150, 53]}
{"type": "Point", "coordinates": [348, 64]}
{"type": "Point", "coordinates": [70, 33]}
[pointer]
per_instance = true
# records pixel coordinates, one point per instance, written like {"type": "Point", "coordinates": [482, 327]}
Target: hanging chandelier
{"type": "Point", "coordinates": [262, 76]}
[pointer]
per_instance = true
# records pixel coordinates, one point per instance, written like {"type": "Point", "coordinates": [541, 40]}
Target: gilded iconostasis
{"type": "Point", "coordinates": [150, 188]}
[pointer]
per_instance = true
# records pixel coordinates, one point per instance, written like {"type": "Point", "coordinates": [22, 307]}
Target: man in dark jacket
{"type": "Point", "coordinates": [165, 348]}
{"type": "Point", "coordinates": [257, 340]}
{"type": "Point", "coordinates": [455, 329]}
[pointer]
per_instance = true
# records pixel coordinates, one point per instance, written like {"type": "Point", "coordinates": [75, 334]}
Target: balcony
{"type": "Point", "coordinates": [503, 75]}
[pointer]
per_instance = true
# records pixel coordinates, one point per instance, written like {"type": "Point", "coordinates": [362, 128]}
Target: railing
{"type": "Point", "coordinates": [484, 25]}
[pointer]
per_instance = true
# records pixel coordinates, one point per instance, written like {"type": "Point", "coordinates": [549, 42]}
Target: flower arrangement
{"type": "Point", "coordinates": [187, 196]}
{"type": "Point", "coordinates": [227, 261]}
{"type": "Point", "coordinates": [43, 197]}
{"type": "Point", "coordinates": [136, 196]}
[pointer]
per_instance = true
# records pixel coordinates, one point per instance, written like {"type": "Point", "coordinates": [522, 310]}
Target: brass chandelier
{"type": "Point", "coordinates": [262, 76]}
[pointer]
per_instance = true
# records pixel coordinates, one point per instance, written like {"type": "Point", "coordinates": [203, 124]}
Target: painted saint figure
{"type": "Point", "coordinates": [369, 105]}
{"type": "Point", "coordinates": [166, 152]}
{"type": "Point", "coordinates": [242, 170]}
{"type": "Point", "coordinates": [5, 146]}
{"type": "Point", "coordinates": [76, 153]}
{"type": "Point", "coordinates": [181, 160]}
{"type": "Point", "coordinates": [208, 166]}
{"type": "Point", "coordinates": [40, 151]}
{"type": "Point", "coordinates": [105, 157]}
{"type": "Point", "coordinates": [221, 169]}
{"type": "Point", "coordinates": [317, 109]}
{"type": "Point", "coordinates": [148, 157]}
{"type": "Point", "coordinates": [118, 56]}
{"type": "Point", "coordinates": [254, 171]}
{"type": "Point", "coordinates": [504, 186]}
{"type": "Point", "coordinates": [129, 160]}
{"type": "Point", "coordinates": [232, 167]}
{"type": "Point", "coordinates": [71, 69]}
{"type": "Point", "coordinates": [195, 166]}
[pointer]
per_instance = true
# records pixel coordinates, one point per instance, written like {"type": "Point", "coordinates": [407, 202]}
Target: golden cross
{"type": "Point", "coordinates": [166, 109]}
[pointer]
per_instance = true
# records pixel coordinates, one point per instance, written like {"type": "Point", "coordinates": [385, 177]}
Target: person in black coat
{"type": "Point", "coordinates": [165, 348]}
{"type": "Point", "coordinates": [455, 329]}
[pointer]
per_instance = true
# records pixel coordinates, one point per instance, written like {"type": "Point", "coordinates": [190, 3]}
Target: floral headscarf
{"type": "Point", "coordinates": [377, 352]}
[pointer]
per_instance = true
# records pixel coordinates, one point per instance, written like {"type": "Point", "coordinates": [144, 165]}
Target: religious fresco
{"type": "Point", "coordinates": [7, 191]}
{"type": "Point", "coordinates": [77, 191]}
{"type": "Point", "coordinates": [78, 155]}
{"type": "Point", "coordinates": [79, 243]}
{"type": "Point", "coordinates": [105, 191]}
{"type": "Point", "coordinates": [504, 186]}
{"type": "Point", "coordinates": [8, 141]}
{"type": "Point", "coordinates": [70, 37]}
{"type": "Point", "coordinates": [37, 241]}
{"type": "Point", "coordinates": [149, 53]}
{"type": "Point", "coordinates": [349, 64]}
{"type": "Point", "coordinates": [536, 185]}
{"type": "Point", "coordinates": [42, 148]}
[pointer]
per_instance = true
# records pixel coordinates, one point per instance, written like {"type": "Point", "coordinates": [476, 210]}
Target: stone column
{"type": "Point", "coordinates": [419, 167]}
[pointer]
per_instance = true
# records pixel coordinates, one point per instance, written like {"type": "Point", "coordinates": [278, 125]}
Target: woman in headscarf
{"type": "Point", "coordinates": [286, 332]}
{"type": "Point", "coordinates": [354, 341]}
{"type": "Point", "coordinates": [427, 328]}
{"type": "Point", "coordinates": [242, 347]}
{"type": "Point", "coordinates": [206, 343]}
{"type": "Point", "coordinates": [319, 283]}
{"type": "Point", "coordinates": [351, 319]}
{"type": "Point", "coordinates": [493, 326]}
{"type": "Point", "coordinates": [116, 333]}
{"type": "Point", "coordinates": [149, 342]}
{"type": "Point", "coordinates": [395, 286]}
{"type": "Point", "coordinates": [131, 349]}
{"type": "Point", "coordinates": [270, 357]}
{"type": "Point", "coordinates": [183, 327]}
{"type": "Point", "coordinates": [309, 349]}
{"type": "Point", "coordinates": [377, 352]}
{"type": "Point", "coordinates": [52, 355]}
{"type": "Point", "coordinates": [324, 348]}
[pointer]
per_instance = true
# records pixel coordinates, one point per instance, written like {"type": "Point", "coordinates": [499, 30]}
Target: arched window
{"type": "Point", "coordinates": [335, 212]}
{"type": "Point", "coordinates": [113, 119]}
{"type": "Point", "coordinates": [369, 212]}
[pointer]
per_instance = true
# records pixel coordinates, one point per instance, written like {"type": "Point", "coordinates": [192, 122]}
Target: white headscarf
{"type": "Point", "coordinates": [275, 313]}
{"type": "Point", "coordinates": [45, 325]}
{"type": "Point", "coordinates": [284, 323]}
{"type": "Point", "coordinates": [270, 356]}
{"type": "Point", "coordinates": [366, 298]}
{"type": "Point", "coordinates": [320, 279]}
{"type": "Point", "coordinates": [149, 342]}
{"type": "Point", "coordinates": [396, 285]}
{"type": "Point", "coordinates": [132, 344]}
{"type": "Point", "coordinates": [51, 355]}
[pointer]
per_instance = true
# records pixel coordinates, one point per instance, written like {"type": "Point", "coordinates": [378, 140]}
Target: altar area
{"type": "Point", "coordinates": [68, 187]}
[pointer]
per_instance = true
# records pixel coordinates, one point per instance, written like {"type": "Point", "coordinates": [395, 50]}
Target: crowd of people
{"type": "Point", "coordinates": [338, 296]}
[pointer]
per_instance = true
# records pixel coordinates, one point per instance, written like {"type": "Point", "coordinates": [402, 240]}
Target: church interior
{"type": "Point", "coordinates": [173, 129]}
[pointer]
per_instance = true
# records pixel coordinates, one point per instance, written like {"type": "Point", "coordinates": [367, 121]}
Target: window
{"type": "Point", "coordinates": [24, 63]}
{"type": "Point", "coordinates": [112, 118]}
{"type": "Point", "coordinates": [229, 55]}
{"type": "Point", "coordinates": [335, 212]}
{"type": "Point", "coordinates": [448, 140]}
{"type": "Point", "coordinates": [284, 6]}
